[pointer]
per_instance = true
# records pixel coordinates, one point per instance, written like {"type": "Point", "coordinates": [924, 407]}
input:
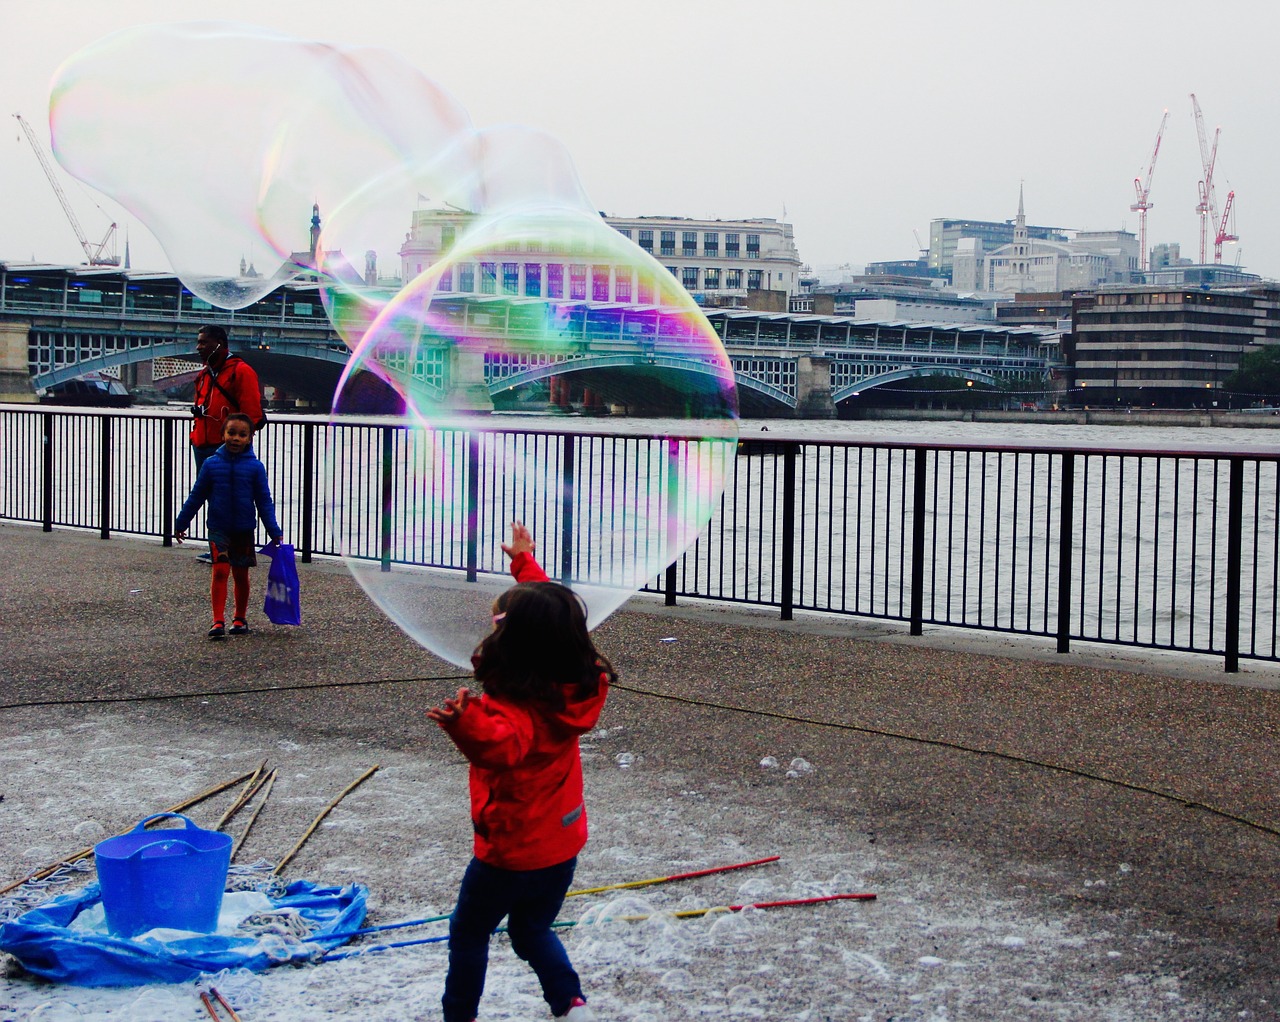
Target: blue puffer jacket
{"type": "Point", "coordinates": [235, 485]}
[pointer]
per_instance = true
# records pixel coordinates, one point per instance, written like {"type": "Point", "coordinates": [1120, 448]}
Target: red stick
{"type": "Point", "coordinates": [722, 869]}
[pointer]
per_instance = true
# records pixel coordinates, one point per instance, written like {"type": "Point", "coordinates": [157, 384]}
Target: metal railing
{"type": "Point", "coordinates": [1174, 550]}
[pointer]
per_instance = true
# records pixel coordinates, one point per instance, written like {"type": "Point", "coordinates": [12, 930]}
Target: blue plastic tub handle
{"type": "Point", "coordinates": [142, 824]}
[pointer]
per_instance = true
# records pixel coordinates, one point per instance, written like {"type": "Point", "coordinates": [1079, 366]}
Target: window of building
{"type": "Point", "coordinates": [711, 243]}
{"type": "Point", "coordinates": [689, 278]}
{"type": "Point", "coordinates": [622, 287]}
{"type": "Point", "coordinates": [555, 281]}
{"type": "Point", "coordinates": [447, 235]}
{"type": "Point", "coordinates": [467, 278]}
{"type": "Point", "coordinates": [733, 278]}
{"type": "Point", "coordinates": [644, 290]}
{"type": "Point", "coordinates": [673, 271]}
{"type": "Point", "coordinates": [755, 279]}
{"type": "Point", "coordinates": [668, 243]}
{"type": "Point", "coordinates": [599, 283]}
{"type": "Point", "coordinates": [646, 240]}
{"type": "Point", "coordinates": [689, 243]}
{"type": "Point", "coordinates": [625, 232]}
{"type": "Point", "coordinates": [510, 278]}
{"type": "Point", "coordinates": [533, 280]}
{"type": "Point", "coordinates": [488, 278]}
{"type": "Point", "coordinates": [445, 283]}
{"type": "Point", "coordinates": [731, 246]}
{"type": "Point", "coordinates": [753, 246]}
{"type": "Point", "coordinates": [578, 281]}
{"type": "Point", "coordinates": [711, 279]}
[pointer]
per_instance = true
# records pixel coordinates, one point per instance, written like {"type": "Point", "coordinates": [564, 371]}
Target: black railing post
{"type": "Point", "coordinates": [566, 512]}
{"type": "Point", "coordinates": [384, 547]}
{"type": "Point", "coordinates": [104, 479]}
{"type": "Point", "coordinates": [46, 496]}
{"type": "Point", "coordinates": [673, 496]}
{"type": "Point", "coordinates": [917, 544]}
{"type": "Point", "coordinates": [789, 528]}
{"type": "Point", "coordinates": [1066, 525]}
{"type": "Point", "coordinates": [308, 491]}
{"type": "Point", "coordinates": [1235, 518]}
{"type": "Point", "coordinates": [473, 506]}
{"type": "Point", "coordinates": [166, 481]}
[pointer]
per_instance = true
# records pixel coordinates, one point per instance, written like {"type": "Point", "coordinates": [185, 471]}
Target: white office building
{"type": "Point", "coordinates": [1035, 265]}
{"type": "Point", "coordinates": [711, 259]}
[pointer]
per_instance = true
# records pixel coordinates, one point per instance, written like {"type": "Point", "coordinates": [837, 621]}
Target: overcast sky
{"type": "Point", "coordinates": [862, 121]}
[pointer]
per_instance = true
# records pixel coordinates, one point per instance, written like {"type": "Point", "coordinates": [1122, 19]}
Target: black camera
{"type": "Point", "coordinates": [199, 411]}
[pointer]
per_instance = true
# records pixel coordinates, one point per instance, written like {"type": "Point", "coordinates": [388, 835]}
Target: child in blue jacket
{"type": "Point", "coordinates": [234, 483]}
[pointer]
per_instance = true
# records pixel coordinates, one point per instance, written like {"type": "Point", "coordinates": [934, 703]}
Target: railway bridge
{"type": "Point", "coordinates": [58, 323]}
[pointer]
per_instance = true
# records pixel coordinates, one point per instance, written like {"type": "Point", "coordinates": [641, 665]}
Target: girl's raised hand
{"type": "Point", "coordinates": [521, 541]}
{"type": "Point", "coordinates": [452, 708]}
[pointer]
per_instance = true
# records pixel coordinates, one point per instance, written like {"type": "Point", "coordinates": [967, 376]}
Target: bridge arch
{"type": "Point", "coordinates": [915, 372]}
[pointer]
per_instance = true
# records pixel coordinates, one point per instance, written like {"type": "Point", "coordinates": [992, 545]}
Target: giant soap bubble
{"type": "Point", "coordinates": [221, 138]}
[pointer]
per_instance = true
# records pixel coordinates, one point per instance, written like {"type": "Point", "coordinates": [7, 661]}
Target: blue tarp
{"type": "Point", "coordinates": [47, 941]}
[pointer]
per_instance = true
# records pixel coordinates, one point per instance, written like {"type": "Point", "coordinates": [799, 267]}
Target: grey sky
{"type": "Point", "coordinates": [863, 121]}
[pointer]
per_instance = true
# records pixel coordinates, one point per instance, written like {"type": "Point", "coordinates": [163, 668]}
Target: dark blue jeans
{"type": "Point", "coordinates": [531, 900]}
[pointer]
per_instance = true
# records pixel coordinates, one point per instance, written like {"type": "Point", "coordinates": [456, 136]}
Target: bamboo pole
{"type": "Point", "coordinates": [84, 853]}
{"type": "Point", "coordinates": [323, 813]}
{"type": "Point", "coordinates": [266, 794]}
{"type": "Point", "coordinates": [246, 793]}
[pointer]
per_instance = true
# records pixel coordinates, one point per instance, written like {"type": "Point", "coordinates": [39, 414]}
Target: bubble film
{"type": "Point", "coordinates": [608, 512]}
{"type": "Point", "coordinates": [222, 138]}
{"type": "Point", "coordinates": [513, 295]}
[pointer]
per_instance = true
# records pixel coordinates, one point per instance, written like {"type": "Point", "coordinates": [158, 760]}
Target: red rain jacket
{"type": "Point", "coordinates": [526, 772]}
{"type": "Point", "coordinates": [237, 378]}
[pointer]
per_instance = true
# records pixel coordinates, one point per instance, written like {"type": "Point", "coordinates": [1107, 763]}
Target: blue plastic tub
{"type": "Point", "coordinates": [163, 878]}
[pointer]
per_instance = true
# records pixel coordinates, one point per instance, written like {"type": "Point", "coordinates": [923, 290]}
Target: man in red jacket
{"type": "Point", "coordinates": [226, 384]}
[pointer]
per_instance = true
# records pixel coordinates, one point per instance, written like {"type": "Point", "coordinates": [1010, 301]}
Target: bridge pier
{"type": "Point", "coordinates": [813, 388]}
{"type": "Point", "coordinates": [467, 391]}
{"type": "Point", "coordinates": [15, 374]}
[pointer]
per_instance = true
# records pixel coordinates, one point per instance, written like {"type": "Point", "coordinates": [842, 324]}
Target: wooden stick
{"type": "Point", "coordinates": [208, 1006]}
{"type": "Point", "coordinates": [247, 792]}
{"type": "Point", "coordinates": [676, 876]}
{"type": "Point", "coordinates": [223, 1001]}
{"type": "Point", "coordinates": [266, 794]}
{"type": "Point", "coordinates": [323, 813]}
{"type": "Point", "coordinates": [84, 853]}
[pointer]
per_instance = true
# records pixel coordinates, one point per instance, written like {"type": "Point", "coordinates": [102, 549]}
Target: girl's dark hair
{"type": "Point", "coordinates": [540, 647]}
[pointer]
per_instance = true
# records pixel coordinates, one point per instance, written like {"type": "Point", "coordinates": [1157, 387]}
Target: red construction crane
{"type": "Point", "coordinates": [1144, 202]}
{"type": "Point", "coordinates": [1222, 234]}
{"type": "Point", "coordinates": [1206, 207]}
{"type": "Point", "coordinates": [102, 254]}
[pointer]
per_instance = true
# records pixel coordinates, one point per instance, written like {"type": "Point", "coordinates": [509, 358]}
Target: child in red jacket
{"type": "Point", "coordinates": [544, 685]}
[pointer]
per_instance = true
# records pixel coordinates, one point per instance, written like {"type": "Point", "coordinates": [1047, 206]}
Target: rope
{"type": "Point", "coordinates": [705, 704]}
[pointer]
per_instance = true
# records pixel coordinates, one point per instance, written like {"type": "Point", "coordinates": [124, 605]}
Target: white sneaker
{"type": "Point", "coordinates": [578, 1012]}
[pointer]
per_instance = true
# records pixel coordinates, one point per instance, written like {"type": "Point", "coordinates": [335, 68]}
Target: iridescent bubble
{"type": "Point", "coordinates": [529, 304]}
{"type": "Point", "coordinates": [222, 138]}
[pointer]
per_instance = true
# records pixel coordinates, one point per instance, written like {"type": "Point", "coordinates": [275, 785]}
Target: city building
{"type": "Point", "coordinates": [945, 237]}
{"type": "Point", "coordinates": [1166, 347]}
{"type": "Point", "coordinates": [1030, 264]}
{"type": "Point", "coordinates": [713, 260]}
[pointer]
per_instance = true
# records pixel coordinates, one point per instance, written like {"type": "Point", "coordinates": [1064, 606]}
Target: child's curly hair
{"type": "Point", "coordinates": [539, 647]}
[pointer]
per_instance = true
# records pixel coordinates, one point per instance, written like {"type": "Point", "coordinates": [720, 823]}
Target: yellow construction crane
{"type": "Point", "coordinates": [102, 254]}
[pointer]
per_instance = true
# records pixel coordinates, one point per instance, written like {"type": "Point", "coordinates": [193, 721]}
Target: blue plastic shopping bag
{"type": "Point", "coordinates": [283, 605]}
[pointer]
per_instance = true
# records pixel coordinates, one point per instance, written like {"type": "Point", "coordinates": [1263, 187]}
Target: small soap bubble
{"type": "Point", "coordinates": [676, 979]}
{"type": "Point", "coordinates": [769, 763]}
{"type": "Point", "coordinates": [55, 1011]}
{"type": "Point", "coordinates": [801, 766]}
{"type": "Point", "coordinates": [625, 760]}
{"type": "Point", "coordinates": [90, 831]}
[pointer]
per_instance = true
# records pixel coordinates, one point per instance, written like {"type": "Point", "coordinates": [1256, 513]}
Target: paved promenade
{"type": "Point", "coordinates": [1008, 805]}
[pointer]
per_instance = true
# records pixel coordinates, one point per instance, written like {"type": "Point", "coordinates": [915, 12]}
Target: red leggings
{"type": "Point", "coordinates": [218, 591]}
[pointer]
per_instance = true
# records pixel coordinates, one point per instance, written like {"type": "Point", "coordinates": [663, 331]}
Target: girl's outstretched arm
{"type": "Point", "coordinates": [520, 550]}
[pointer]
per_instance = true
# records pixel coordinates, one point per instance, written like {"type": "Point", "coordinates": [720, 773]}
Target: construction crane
{"type": "Point", "coordinates": [1206, 207]}
{"type": "Point", "coordinates": [1143, 188]}
{"type": "Point", "coordinates": [1222, 234]}
{"type": "Point", "coordinates": [102, 254]}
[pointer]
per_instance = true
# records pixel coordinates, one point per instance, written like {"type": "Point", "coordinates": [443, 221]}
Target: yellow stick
{"type": "Point", "coordinates": [323, 813]}
{"type": "Point", "coordinates": [246, 793]}
{"type": "Point", "coordinates": [266, 794]}
{"type": "Point", "coordinates": [84, 853]}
